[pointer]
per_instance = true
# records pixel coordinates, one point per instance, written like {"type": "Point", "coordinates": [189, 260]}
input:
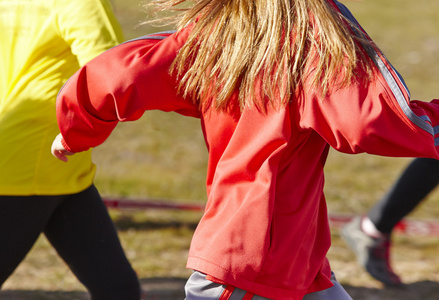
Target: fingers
{"type": "Point", "coordinates": [60, 155]}
{"type": "Point", "coordinates": [58, 149]}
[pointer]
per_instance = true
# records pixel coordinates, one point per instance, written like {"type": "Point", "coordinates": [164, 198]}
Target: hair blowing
{"type": "Point", "coordinates": [263, 50]}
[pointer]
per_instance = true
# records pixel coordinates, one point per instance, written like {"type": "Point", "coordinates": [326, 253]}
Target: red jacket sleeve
{"type": "Point", "coordinates": [376, 118]}
{"type": "Point", "coordinates": [120, 85]}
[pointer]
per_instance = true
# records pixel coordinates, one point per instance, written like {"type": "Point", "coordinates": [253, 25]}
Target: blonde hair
{"type": "Point", "coordinates": [238, 44]}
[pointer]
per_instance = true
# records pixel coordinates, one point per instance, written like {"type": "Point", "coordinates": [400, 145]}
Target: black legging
{"type": "Point", "coordinates": [80, 229]}
{"type": "Point", "coordinates": [415, 183]}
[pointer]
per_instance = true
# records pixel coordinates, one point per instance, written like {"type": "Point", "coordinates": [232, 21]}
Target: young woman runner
{"type": "Point", "coordinates": [42, 44]}
{"type": "Point", "coordinates": [275, 84]}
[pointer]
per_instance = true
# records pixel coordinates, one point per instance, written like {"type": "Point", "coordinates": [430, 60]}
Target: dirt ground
{"type": "Point", "coordinates": [414, 259]}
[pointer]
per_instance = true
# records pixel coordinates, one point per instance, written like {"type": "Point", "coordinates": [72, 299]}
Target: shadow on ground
{"type": "Point", "coordinates": [163, 288]}
{"type": "Point", "coordinates": [421, 290]}
{"type": "Point", "coordinates": [173, 289]}
{"type": "Point", "coordinates": [42, 295]}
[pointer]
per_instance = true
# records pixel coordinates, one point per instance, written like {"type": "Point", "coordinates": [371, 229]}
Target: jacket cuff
{"type": "Point", "coordinates": [64, 144]}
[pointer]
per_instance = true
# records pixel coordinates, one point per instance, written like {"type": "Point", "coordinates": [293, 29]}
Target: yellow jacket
{"type": "Point", "coordinates": [42, 43]}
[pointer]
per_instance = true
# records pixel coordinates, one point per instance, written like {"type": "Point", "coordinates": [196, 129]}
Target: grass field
{"type": "Point", "coordinates": [163, 156]}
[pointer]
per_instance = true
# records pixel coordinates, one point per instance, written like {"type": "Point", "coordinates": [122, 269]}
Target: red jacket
{"type": "Point", "coordinates": [265, 228]}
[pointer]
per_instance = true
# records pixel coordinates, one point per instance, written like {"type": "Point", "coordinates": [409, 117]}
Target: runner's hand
{"type": "Point", "coordinates": [58, 149]}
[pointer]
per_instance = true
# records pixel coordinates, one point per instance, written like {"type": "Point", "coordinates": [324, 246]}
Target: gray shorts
{"type": "Point", "coordinates": [200, 288]}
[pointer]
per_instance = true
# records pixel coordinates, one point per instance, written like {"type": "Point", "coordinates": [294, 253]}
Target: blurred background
{"type": "Point", "coordinates": [162, 157]}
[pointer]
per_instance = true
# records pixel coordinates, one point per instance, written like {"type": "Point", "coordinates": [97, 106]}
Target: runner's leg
{"type": "Point", "coordinates": [415, 183]}
{"type": "Point", "coordinates": [84, 235]}
{"type": "Point", "coordinates": [22, 219]}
